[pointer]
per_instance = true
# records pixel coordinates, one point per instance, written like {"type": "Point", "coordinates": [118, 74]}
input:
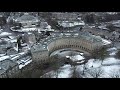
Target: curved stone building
{"type": "Point", "coordinates": [84, 42]}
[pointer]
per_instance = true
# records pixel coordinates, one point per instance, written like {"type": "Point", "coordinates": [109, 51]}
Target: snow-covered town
{"type": "Point", "coordinates": [59, 44]}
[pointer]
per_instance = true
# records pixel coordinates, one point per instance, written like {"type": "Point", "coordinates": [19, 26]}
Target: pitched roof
{"type": "Point", "coordinates": [26, 18]}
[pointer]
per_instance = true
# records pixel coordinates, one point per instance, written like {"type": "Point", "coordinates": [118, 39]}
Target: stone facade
{"type": "Point", "coordinates": [84, 42]}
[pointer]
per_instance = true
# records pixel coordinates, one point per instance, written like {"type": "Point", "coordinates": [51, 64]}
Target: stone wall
{"type": "Point", "coordinates": [73, 43]}
{"type": "Point", "coordinates": [40, 57]}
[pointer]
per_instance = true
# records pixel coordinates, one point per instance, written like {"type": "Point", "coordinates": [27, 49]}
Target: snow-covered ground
{"type": "Point", "coordinates": [110, 70]}
{"type": "Point", "coordinates": [63, 72]}
{"type": "Point", "coordinates": [66, 70]}
{"type": "Point", "coordinates": [109, 67]}
{"type": "Point", "coordinates": [76, 57]}
{"type": "Point", "coordinates": [93, 63]}
{"type": "Point", "coordinates": [111, 60]}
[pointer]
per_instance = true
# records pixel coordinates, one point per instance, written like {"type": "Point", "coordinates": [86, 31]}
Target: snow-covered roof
{"type": "Point", "coordinates": [23, 65]}
{"type": "Point", "coordinates": [11, 37]}
{"type": "Point", "coordinates": [27, 18]}
{"type": "Point", "coordinates": [5, 34]}
{"type": "Point", "coordinates": [2, 55]}
{"type": "Point", "coordinates": [4, 58]}
{"type": "Point", "coordinates": [106, 42]}
{"type": "Point", "coordinates": [70, 24]}
{"type": "Point", "coordinates": [13, 40]}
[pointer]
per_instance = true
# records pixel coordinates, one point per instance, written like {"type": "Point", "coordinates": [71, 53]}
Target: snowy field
{"type": "Point", "coordinates": [109, 68]}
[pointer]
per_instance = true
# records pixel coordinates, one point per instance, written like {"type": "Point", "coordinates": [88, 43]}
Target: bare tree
{"type": "Point", "coordinates": [115, 74]}
{"type": "Point", "coordinates": [48, 75]}
{"type": "Point", "coordinates": [95, 72]}
{"type": "Point", "coordinates": [84, 68]}
{"type": "Point", "coordinates": [118, 54]}
{"type": "Point", "coordinates": [53, 74]}
{"type": "Point", "coordinates": [56, 65]}
{"type": "Point", "coordinates": [76, 73]}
